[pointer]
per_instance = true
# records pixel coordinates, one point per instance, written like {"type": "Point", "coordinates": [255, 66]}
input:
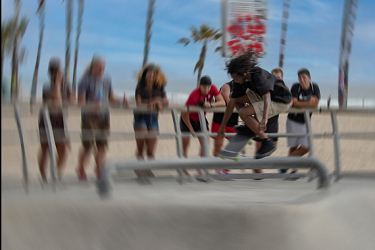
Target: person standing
{"type": "Point", "coordinates": [150, 93]}
{"type": "Point", "coordinates": [272, 123]}
{"type": "Point", "coordinates": [95, 92]}
{"type": "Point", "coordinates": [217, 118]}
{"type": "Point", "coordinates": [189, 122]}
{"type": "Point", "coordinates": [306, 94]}
{"type": "Point", "coordinates": [55, 94]}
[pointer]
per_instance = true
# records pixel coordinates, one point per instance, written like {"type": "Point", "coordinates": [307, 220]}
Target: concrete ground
{"type": "Point", "coordinates": [242, 214]}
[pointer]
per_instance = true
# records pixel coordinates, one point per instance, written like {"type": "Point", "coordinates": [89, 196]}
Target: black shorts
{"type": "Point", "coordinates": [95, 130]}
{"type": "Point", "coordinates": [272, 127]}
{"type": "Point", "coordinates": [58, 129]}
{"type": "Point", "coordinates": [195, 124]}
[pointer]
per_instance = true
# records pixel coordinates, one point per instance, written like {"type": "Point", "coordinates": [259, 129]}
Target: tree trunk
{"type": "Point", "coordinates": [35, 77]}
{"type": "Point", "coordinates": [2, 66]}
{"type": "Point", "coordinates": [79, 24]}
{"type": "Point", "coordinates": [202, 58]}
{"type": "Point", "coordinates": [14, 81]}
{"type": "Point", "coordinates": [69, 12]}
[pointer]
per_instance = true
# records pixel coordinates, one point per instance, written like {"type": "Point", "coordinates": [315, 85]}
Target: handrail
{"type": "Point", "coordinates": [21, 133]}
{"type": "Point", "coordinates": [174, 111]}
{"type": "Point", "coordinates": [215, 163]}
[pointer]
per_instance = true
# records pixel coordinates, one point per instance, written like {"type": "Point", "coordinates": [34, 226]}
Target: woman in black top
{"type": "Point", "coordinates": [149, 93]}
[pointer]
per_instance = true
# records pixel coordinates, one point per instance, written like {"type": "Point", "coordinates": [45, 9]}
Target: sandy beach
{"type": "Point", "coordinates": [357, 155]}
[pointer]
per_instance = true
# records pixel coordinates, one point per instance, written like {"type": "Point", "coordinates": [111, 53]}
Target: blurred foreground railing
{"type": "Point", "coordinates": [205, 136]}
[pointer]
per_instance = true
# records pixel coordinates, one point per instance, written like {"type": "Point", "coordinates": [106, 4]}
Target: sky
{"type": "Point", "coordinates": [115, 29]}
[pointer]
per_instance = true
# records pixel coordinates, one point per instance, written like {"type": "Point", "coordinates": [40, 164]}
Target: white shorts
{"type": "Point", "coordinates": [257, 102]}
{"type": "Point", "coordinates": [293, 127]}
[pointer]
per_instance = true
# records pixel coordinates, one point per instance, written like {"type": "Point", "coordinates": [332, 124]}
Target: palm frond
{"type": "Point", "coordinates": [218, 49]}
{"type": "Point", "coordinates": [41, 3]}
{"type": "Point", "coordinates": [184, 40]}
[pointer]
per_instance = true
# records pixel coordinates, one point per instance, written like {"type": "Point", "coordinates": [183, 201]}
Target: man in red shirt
{"type": "Point", "coordinates": [202, 97]}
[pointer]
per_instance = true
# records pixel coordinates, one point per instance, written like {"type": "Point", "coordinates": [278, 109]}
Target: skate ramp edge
{"type": "Point", "coordinates": [344, 220]}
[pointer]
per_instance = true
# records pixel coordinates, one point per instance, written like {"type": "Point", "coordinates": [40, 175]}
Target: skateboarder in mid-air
{"type": "Point", "coordinates": [266, 94]}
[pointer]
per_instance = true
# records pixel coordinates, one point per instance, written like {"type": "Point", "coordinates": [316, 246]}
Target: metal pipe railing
{"type": "Point", "coordinates": [215, 162]}
{"type": "Point", "coordinates": [205, 134]}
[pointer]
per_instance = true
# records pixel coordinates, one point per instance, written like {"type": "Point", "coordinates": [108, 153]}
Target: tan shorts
{"type": "Point", "coordinates": [258, 104]}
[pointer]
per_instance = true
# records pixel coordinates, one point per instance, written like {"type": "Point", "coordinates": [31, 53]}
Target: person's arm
{"type": "Point", "coordinates": [225, 92]}
{"type": "Point", "coordinates": [219, 101]}
{"type": "Point", "coordinates": [82, 88]}
{"type": "Point", "coordinates": [267, 104]}
{"type": "Point", "coordinates": [227, 115]}
{"type": "Point", "coordinates": [312, 103]}
{"type": "Point", "coordinates": [159, 103]}
{"type": "Point", "coordinates": [160, 100]}
{"type": "Point", "coordinates": [186, 119]}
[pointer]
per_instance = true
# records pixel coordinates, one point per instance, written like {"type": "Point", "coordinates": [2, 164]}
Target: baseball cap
{"type": "Point", "coordinates": [205, 80]}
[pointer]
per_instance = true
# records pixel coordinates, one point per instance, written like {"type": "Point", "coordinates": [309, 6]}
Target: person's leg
{"type": "Point", "coordinates": [257, 147]}
{"type": "Point", "coordinates": [201, 152]}
{"type": "Point", "coordinates": [241, 102]}
{"type": "Point", "coordinates": [185, 146]}
{"type": "Point", "coordinates": [247, 115]}
{"type": "Point", "coordinates": [140, 141]}
{"type": "Point", "coordinates": [140, 130]}
{"type": "Point", "coordinates": [100, 156]}
{"type": "Point", "coordinates": [291, 150]}
{"type": "Point", "coordinates": [61, 157]}
{"type": "Point", "coordinates": [218, 144]}
{"type": "Point", "coordinates": [151, 146]}
{"type": "Point", "coordinates": [300, 151]}
{"type": "Point", "coordinates": [42, 159]}
{"type": "Point", "coordinates": [153, 130]}
{"type": "Point", "coordinates": [83, 157]}
{"type": "Point", "coordinates": [87, 143]}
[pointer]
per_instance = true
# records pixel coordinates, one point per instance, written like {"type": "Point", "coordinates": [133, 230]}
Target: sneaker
{"type": "Point", "coordinates": [219, 171]}
{"type": "Point", "coordinates": [267, 148]}
{"type": "Point", "coordinates": [282, 171]}
{"type": "Point", "coordinates": [293, 171]}
{"type": "Point", "coordinates": [226, 171]}
{"type": "Point", "coordinates": [244, 130]}
{"type": "Point", "coordinates": [81, 174]}
{"type": "Point", "coordinates": [258, 171]}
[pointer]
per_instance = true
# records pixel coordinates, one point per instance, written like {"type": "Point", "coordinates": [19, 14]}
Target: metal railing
{"type": "Point", "coordinates": [205, 135]}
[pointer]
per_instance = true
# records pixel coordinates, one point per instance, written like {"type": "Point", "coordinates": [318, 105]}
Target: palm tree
{"type": "Point", "coordinates": [81, 4]}
{"type": "Point", "coordinates": [69, 17]}
{"type": "Point", "coordinates": [6, 41]}
{"type": "Point", "coordinates": [41, 13]}
{"type": "Point", "coordinates": [19, 29]}
{"type": "Point", "coordinates": [6, 48]}
{"type": "Point", "coordinates": [204, 34]}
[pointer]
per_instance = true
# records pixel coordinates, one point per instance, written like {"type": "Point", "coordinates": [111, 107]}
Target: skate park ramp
{"type": "Point", "coordinates": [241, 214]}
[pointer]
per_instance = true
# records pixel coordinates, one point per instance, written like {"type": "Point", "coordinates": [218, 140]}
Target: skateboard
{"type": "Point", "coordinates": [233, 148]}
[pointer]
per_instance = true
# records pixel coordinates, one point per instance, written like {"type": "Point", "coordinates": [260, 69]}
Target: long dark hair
{"type": "Point", "coordinates": [160, 79]}
{"type": "Point", "coordinates": [242, 64]}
